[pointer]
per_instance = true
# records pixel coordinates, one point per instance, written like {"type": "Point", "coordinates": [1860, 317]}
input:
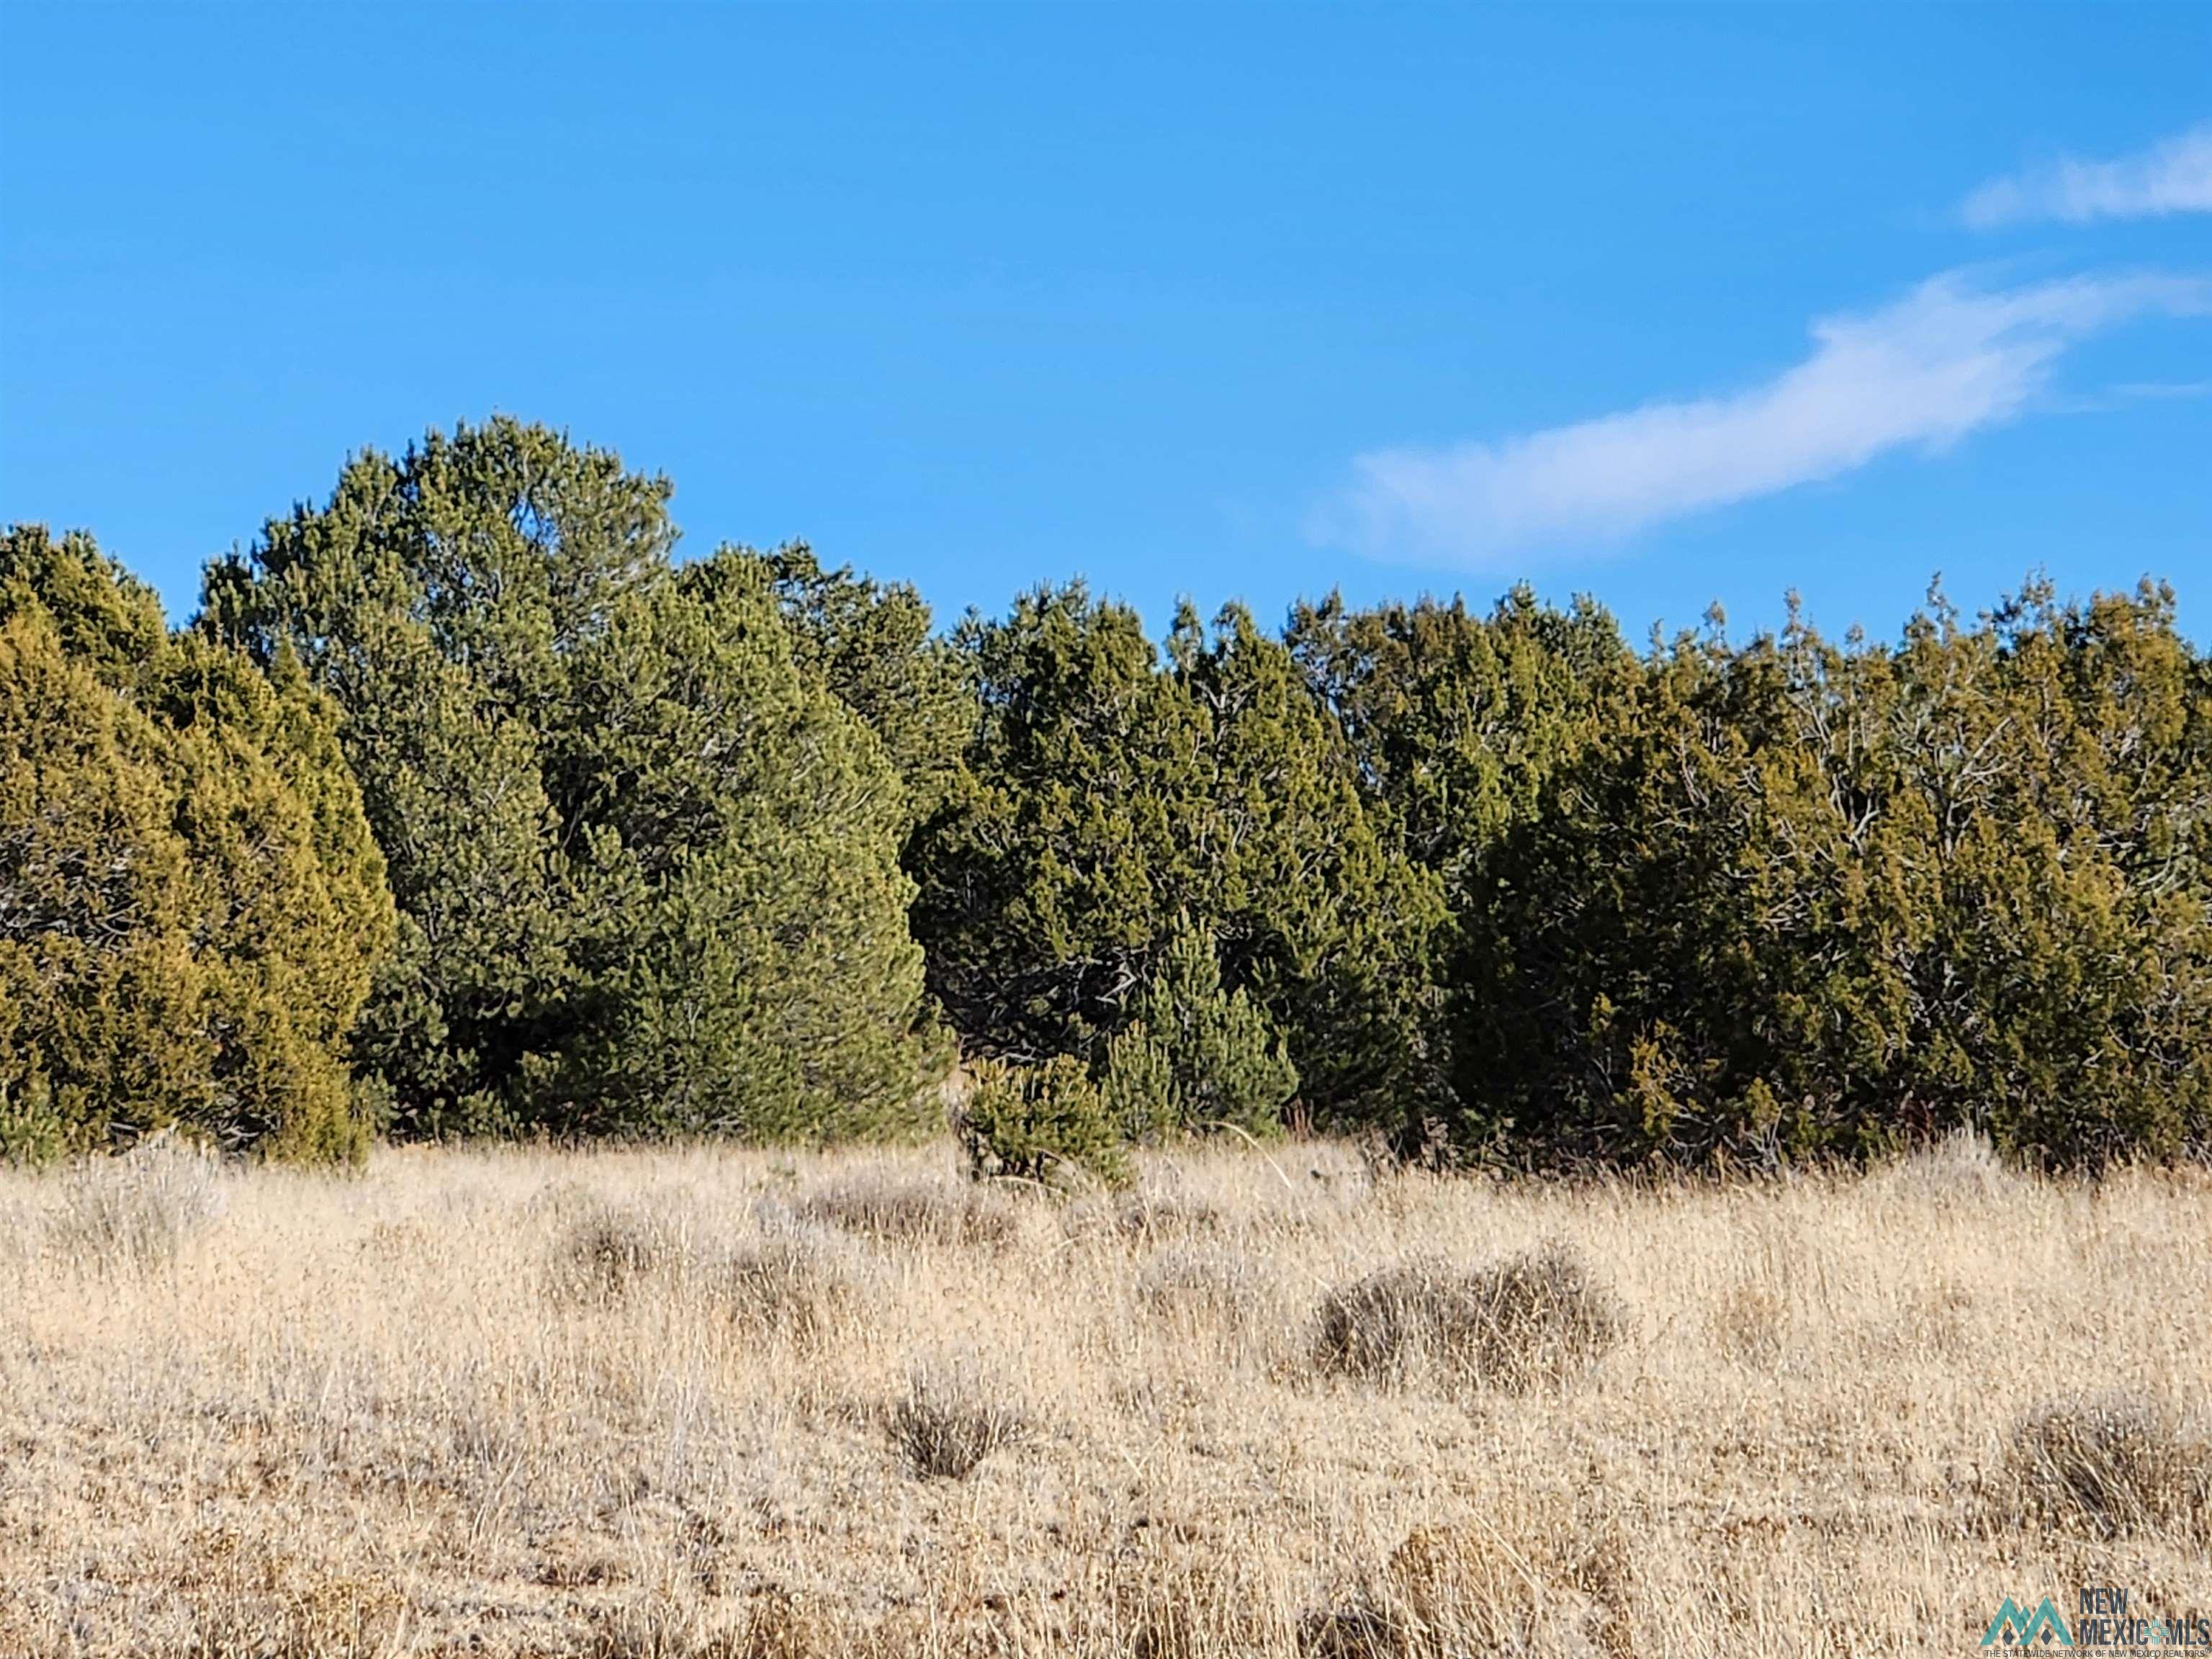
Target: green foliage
{"type": "Point", "coordinates": [1459, 720]}
{"type": "Point", "coordinates": [1195, 1056]}
{"type": "Point", "coordinates": [872, 643]}
{"type": "Point", "coordinates": [1042, 1123]}
{"type": "Point", "coordinates": [191, 905]}
{"type": "Point", "coordinates": [1107, 797]}
{"type": "Point", "coordinates": [1141, 1088]}
{"type": "Point", "coordinates": [744, 939]}
{"type": "Point", "coordinates": [680, 849]}
{"type": "Point", "coordinates": [645, 865]}
{"type": "Point", "coordinates": [1801, 899]}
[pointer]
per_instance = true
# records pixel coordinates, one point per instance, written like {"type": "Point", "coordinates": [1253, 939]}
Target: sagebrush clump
{"type": "Point", "coordinates": [798, 1281]}
{"type": "Point", "coordinates": [2111, 1464]}
{"type": "Point", "coordinates": [1536, 1316]}
{"type": "Point", "coordinates": [614, 1248]}
{"type": "Point", "coordinates": [955, 1413]}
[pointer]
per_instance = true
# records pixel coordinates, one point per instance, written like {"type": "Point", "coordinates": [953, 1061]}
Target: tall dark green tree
{"type": "Point", "coordinates": [191, 904]}
{"type": "Point", "coordinates": [645, 865]}
{"type": "Point", "coordinates": [1110, 796]}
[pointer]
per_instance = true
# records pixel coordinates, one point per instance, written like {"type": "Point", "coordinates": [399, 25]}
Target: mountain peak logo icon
{"type": "Point", "coordinates": [2013, 1625]}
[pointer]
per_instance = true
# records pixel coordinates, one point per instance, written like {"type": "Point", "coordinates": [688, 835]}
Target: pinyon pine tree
{"type": "Point", "coordinates": [1193, 1057]}
{"type": "Point", "coordinates": [645, 865]}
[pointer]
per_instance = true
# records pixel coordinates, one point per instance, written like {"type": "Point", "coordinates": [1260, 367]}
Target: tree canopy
{"type": "Point", "coordinates": [1111, 797]}
{"type": "Point", "coordinates": [191, 904]}
{"type": "Point", "coordinates": [1797, 899]}
{"type": "Point", "coordinates": [467, 806]}
{"type": "Point", "coordinates": [646, 864]}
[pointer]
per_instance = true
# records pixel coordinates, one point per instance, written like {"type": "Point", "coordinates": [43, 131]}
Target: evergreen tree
{"type": "Point", "coordinates": [872, 643]}
{"type": "Point", "coordinates": [646, 867]}
{"type": "Point", "coordinates": [1041, 1123]}
{"type": "Point", "coordinates": [191, 905]}
{"type": "Point", "coordinates": [655, 833]}
{"type": "Point", "coordinates": [1458, 719]}
{"type": "Point", "coordinates": [1193, 1056]}
{"type": "Point", "coordinates": [1310, 901]}
{"type": "Point", "coordinates": [1804, 899]}
{"type": "Point", "coordinates": [1109, 796]}
{"type": "Point", "coordinates": [745, 946]}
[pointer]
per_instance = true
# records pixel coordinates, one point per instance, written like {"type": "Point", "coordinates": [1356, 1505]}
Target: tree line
{"type": "Point", "coordinates": [464, 807]}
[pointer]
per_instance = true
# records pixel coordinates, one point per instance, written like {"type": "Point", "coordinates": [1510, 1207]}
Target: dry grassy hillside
{"type": "Point", "coordinates": [728, 1403]}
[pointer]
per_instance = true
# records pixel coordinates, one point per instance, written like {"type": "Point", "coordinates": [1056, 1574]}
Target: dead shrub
{"type": "Point", "coordinates": [1536, 1317]}
{"type": "Point", "coordinates": [797, 1282]}
{"type": "Point", "coordinates": [952, 1416]}
{"type": "Point", "coordinates": [1156, 1215]}
{"type": "Point", "coordinates": [901, 1211]}
{"type": "Point", "coordinates": [141, 1207]}
{"type": "Point", "coordinates": [614, 1248]}
{"type": "Point", "coordinates": [2109, 1464]}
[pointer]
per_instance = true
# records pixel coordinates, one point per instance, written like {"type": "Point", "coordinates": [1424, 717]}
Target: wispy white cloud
{"type": "Point", "coordinates": [2125, 393]}
{"type": "Point", "coordinates": [2138, 391]}
{"type": "Point", "coordinates": [1945, 360]}
{"type": "Point", "coordinates": [2172, 177]}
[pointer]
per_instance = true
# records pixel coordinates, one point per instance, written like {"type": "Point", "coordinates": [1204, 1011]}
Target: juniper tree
{"type": "Point", "coordinates": [1803, 898]}
{"type": "Point", "coordinates": [1110, 794]}
{"type": "Point", "coordinates": [1458, 719]}
{"type": "Point", "coordinates": [191, 904]}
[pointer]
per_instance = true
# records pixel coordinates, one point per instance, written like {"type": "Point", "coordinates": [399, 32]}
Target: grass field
{"type": "Point", "coordinates": [723, 1403]}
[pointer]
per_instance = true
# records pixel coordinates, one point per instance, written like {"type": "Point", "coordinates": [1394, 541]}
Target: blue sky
{"type": "Point", "coordinates": [1669, 306]}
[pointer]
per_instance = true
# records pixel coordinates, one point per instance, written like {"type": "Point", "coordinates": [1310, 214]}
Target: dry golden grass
{"type": "Point", "coordinates": [708, 1404]}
